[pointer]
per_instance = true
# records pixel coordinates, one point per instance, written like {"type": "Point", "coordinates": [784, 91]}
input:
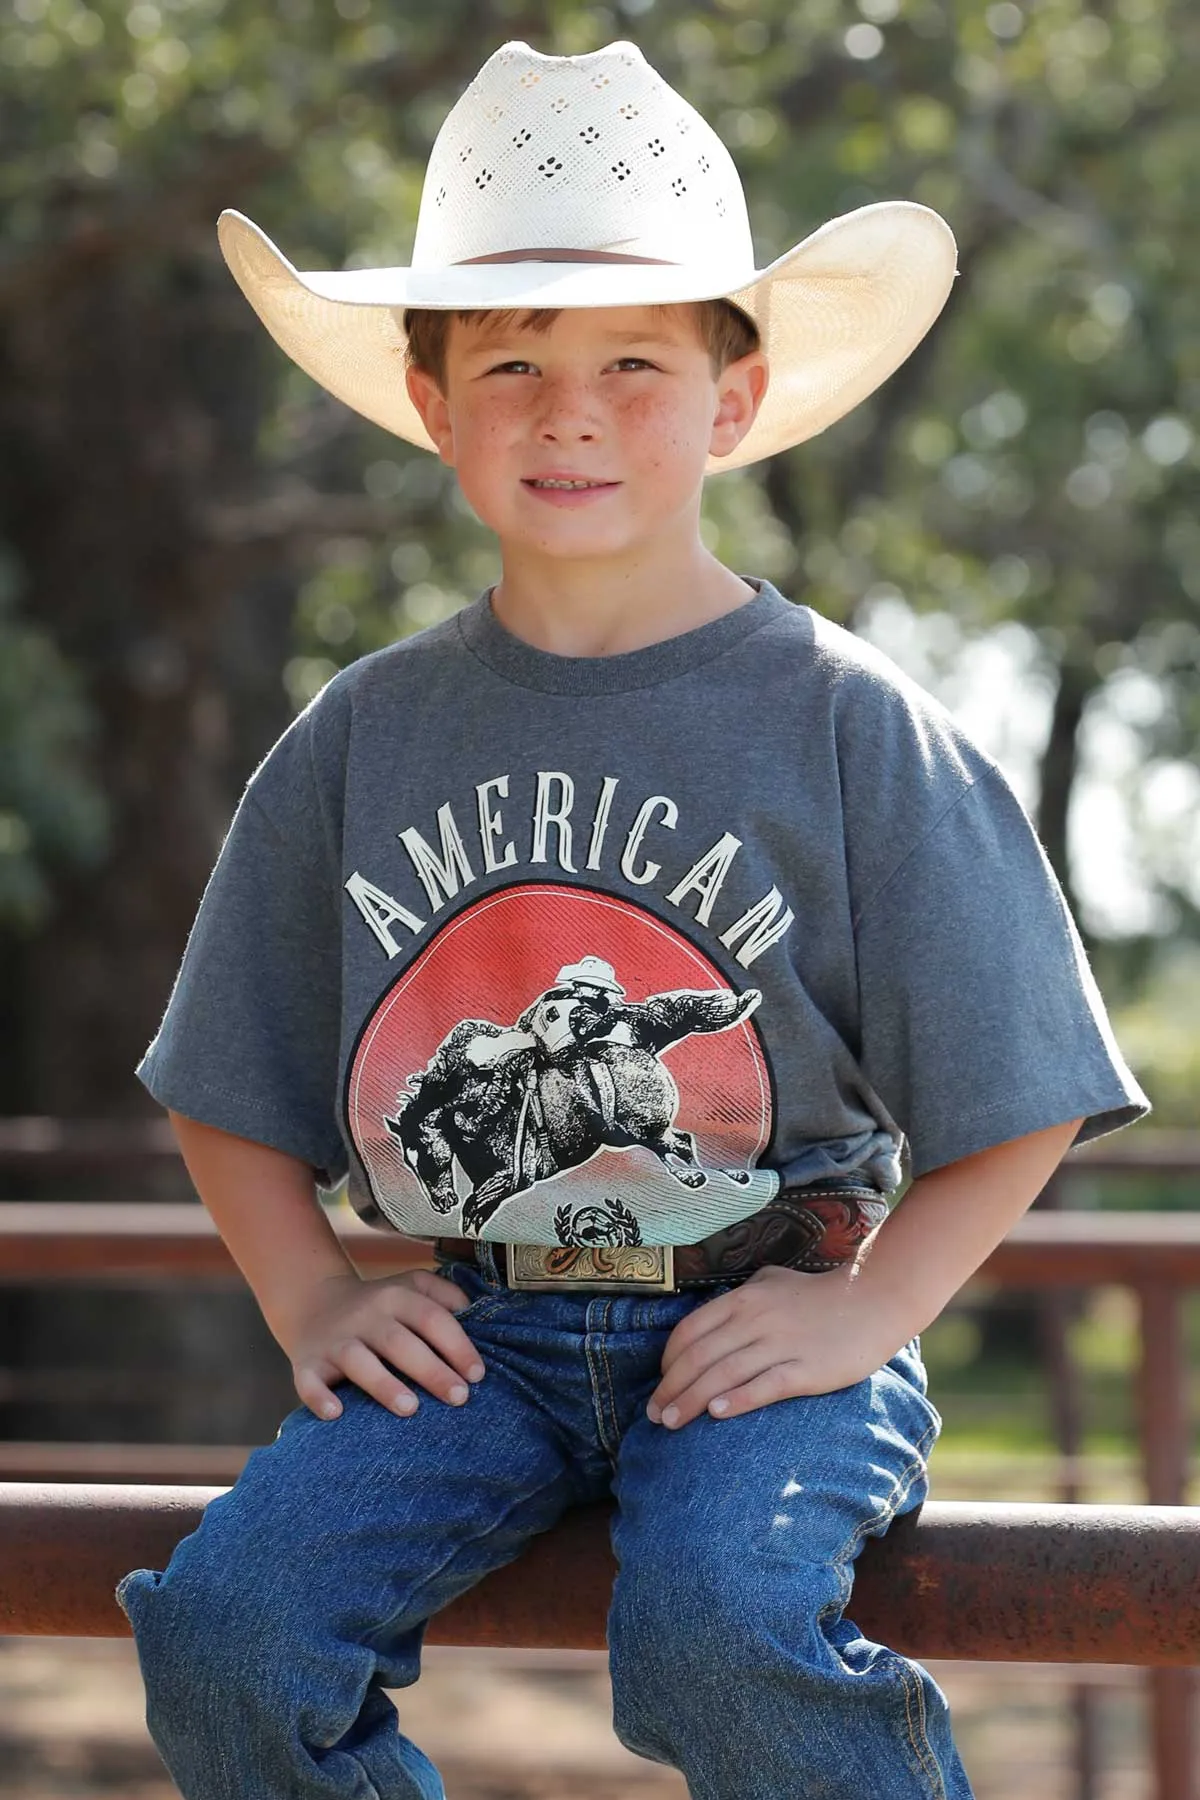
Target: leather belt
{"type": "Point", "coordinates": [811, 1229]}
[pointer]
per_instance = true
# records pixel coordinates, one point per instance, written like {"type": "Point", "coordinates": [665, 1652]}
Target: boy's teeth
{"type": "Point", "coordinates": [568, 484]}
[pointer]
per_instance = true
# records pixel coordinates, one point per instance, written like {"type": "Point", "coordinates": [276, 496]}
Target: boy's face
{"type": "Point", "coordinates": [621, 397]}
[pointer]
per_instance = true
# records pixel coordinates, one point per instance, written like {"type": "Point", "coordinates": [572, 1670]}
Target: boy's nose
{"type": "Point", "coordinates": [568, 411]}
{"type": "Point", "coordinates": [559, 432]}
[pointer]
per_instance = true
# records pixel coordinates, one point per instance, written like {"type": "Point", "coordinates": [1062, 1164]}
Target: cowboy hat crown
{"type": "Point", "coordinates": [586, 181]}
{"type": "Point", "coordinates": [591, 153]}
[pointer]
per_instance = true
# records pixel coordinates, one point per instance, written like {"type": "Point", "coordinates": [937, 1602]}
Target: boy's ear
{"type": "Point", "coordinates": [434, 411]}
{"type": "Point", "coordinates": [740, 391]}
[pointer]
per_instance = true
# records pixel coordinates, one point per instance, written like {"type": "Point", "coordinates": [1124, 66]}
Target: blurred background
{"type": "Point", "coordinates": [194, 537]}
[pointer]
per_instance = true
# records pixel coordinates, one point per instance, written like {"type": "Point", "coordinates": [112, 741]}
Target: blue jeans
{"type": "Point", "coordinates": [267, 1643]}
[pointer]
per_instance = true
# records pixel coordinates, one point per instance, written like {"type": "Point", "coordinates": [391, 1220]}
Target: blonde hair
{"type": "Point", "coordinates": [725, 331]}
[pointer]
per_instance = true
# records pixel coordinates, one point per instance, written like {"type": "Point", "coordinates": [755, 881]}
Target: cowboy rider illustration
{"type": "Point", "coordinates": [579, 1072]}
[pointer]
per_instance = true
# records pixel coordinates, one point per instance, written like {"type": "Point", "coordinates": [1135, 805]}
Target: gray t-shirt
{"type": "Point", "coordinates": [565, 950]}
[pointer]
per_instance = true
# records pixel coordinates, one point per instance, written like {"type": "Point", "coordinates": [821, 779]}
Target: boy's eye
{"type": "Point", "coordinates": [523, 368]}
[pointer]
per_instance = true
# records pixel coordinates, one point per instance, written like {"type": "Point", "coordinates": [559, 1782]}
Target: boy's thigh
{"type": "Point", "coordinates": [770, 1508]}
{"type": "Point", "coordinates": [363, 1526]}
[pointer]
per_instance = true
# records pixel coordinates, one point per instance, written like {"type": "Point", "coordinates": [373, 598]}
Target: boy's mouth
{"type": "Point", "coordinates": [568, 493]}
{"type": "Point", "coordinates": [565, 484]}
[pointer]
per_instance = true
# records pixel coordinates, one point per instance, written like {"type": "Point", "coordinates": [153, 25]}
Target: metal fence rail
{"type": "Point", "coordinates": [1002, 1582]}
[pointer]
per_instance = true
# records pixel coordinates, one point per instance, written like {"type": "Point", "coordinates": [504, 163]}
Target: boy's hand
{"type": "Point", "coordinates": [779, 1334]}
{"type": "Point", "coordinates": [782, 1334]}
{"type": "Point", "coordinates": [361, 1331]}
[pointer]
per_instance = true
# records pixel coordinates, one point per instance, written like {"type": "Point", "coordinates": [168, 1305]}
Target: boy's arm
{"type": "Point", "coordinates": [782, 1334]}
{"type": "Point", "coordinates": [331, 1324]}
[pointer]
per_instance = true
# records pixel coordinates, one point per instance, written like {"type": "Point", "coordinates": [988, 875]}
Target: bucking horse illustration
{"type": "Point", "coordinates": [578, 1073]}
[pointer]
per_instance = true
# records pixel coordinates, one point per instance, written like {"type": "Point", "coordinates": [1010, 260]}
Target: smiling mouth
{"type": "Point", "coordinates": [569, 487]}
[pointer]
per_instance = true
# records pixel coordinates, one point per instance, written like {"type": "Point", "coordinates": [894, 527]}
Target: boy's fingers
{"type": "Point", "coordinates": [442, 1331]}
{"type": "Point", "coordinates": [435, 1287]}
{"type": "Point", "coordinates": [782, 1381]}
{"type": "Point", "coordinates": [365, 1370]}
{"type": "Point", "coordinates": [721, 1377]}
{"type": "Point", "coordinates": [316, 1394]}
{"type": "Point", "coordinates": [691, 1360]}
{"type": "Point", "coordinates": [409, 1353]}
{"type": "Point", "coordinates": [706, 1319]}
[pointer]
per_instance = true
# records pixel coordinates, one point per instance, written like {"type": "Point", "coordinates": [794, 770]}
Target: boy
{"type": "Point", "coordinates": [611, 935]}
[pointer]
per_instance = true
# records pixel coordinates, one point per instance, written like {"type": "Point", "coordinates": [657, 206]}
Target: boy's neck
{"type": "Point", "coordinates": [585, 609]}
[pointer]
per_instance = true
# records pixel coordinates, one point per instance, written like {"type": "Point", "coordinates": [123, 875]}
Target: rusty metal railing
{"type": "Point", "coordinates": [1076, 1584]}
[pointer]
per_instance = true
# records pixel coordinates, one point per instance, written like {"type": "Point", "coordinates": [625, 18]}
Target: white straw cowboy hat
{"type": "Point", "coordinates": [598, 185]}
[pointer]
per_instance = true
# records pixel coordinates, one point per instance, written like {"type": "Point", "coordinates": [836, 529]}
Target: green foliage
{"type": "Point", "coordinates": [50, 810]}
{"type": "Point", "coordinates": [1158, 1032]}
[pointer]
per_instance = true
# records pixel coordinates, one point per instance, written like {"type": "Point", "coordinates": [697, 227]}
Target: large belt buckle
{"type": "Point", "coordinates": [620, 1268]}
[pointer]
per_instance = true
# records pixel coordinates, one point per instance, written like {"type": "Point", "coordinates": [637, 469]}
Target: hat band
{"type": "Point", "coordinates": [547, 255]}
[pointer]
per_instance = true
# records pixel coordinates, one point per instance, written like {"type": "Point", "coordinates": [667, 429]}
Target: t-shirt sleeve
{"type": "Point", "coordinates": [980, 1018]}
{"type": "Point", "coordinates": [249, 1042]}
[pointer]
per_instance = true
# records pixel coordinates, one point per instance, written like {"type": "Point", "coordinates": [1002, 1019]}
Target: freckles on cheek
{"type": "Point", "coordinates": [660, 431]}
{"type": "Point", "coordinates": [482, 448]}
{"type": "Point", "coordinates": [486, 434]}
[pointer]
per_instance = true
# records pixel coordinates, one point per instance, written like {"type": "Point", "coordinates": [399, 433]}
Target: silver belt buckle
{"type": "Point", "coordinates": [563, 1269]}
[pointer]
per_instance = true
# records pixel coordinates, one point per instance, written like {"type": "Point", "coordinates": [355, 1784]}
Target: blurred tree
{"type": "Point", "coordinates": [187, 514]}
{"type": "Point", "coordinates": [156, 551]}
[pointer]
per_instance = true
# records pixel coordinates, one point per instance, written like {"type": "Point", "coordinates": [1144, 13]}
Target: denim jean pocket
{"type": "Point", "coordinates": [484, 1298]}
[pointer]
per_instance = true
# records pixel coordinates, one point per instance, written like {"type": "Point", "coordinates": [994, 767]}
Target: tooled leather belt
{"type": "Point", "coordinates": [812, 1229]}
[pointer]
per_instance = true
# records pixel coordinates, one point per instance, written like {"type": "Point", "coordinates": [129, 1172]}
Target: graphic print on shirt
{"type": "Point", "coordinates": [560, 1066]}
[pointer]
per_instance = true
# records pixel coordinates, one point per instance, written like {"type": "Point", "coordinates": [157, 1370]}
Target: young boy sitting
{"type": "Point", "coordinates": [613, 936]}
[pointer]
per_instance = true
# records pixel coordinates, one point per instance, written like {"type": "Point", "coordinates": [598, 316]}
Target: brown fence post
{"type": "Point", "coordinates": [1163, 1422]}
{"type": "Point", "coordinates": [1056, 1308]}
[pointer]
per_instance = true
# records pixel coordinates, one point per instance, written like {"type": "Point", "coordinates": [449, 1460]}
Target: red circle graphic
{"type": "Point", "coordinates": [491, 962]}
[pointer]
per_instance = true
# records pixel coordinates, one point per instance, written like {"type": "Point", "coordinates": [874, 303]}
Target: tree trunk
{"type": "Point", "coordinates": [1077, 681]}
{"type": "Point", "coordinates": [127, 411]}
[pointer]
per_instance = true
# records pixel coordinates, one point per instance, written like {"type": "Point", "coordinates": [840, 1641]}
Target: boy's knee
{"type": "Point", "coordinates": [202, 1630]}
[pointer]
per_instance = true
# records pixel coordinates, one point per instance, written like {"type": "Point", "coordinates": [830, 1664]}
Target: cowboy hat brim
{"type": "Point", "coordinates": [836, 315]}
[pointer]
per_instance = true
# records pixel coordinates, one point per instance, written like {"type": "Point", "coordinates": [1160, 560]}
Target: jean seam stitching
{"type": "Point", "coordinates": [918, 1735]}
{"type": "Point", "coordinates": [610, 1434]}
{"type": "Point", "coordinates": [933, 1769]}
{"type": "Point", "coordinates": [482, 1308]}
{"type": "Point", "coordinates": [918, 1739]}
{"type": "Point", "coordinates": [886, 1515]}
{"type": "Point", "coordinates": [595, 1351]}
